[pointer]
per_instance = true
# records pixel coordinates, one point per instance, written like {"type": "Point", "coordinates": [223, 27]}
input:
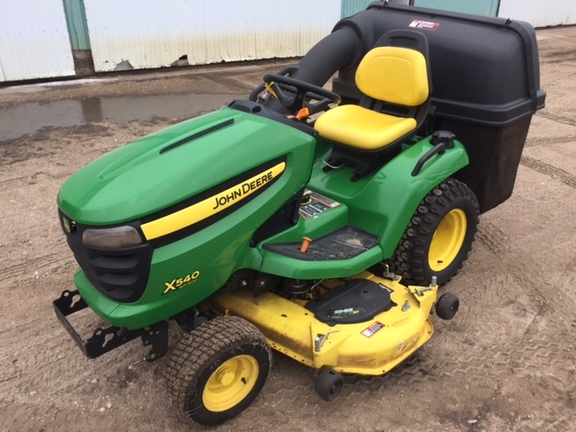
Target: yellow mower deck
{"type": "Point", "coordinates": [372, 347]}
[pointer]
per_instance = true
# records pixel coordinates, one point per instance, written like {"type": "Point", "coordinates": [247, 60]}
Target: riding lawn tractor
{"type": "Point", "coordinates": [318, 223]}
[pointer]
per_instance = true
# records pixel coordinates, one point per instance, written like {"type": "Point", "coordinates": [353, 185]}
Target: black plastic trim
{"type": "Point", "coordinates": [121, 273]}
{"type": "Point", "coordinates": [360, 300]}
{"type": "Point", "coordinates": [332, 247]}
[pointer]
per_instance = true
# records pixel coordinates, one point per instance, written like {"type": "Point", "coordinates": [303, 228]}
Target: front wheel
{"type": "Point", "coordinates": [440, 235]}
{"type": "Point", "coordinates": [218, 370]}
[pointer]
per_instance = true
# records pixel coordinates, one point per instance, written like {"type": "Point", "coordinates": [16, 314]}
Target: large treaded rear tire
{"type": "Point", "coordinates": [439, 236]}
{"type": "Point", "coordinates": [218, 369]}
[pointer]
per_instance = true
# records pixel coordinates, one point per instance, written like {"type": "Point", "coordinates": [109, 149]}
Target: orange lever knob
{"type": "Point", "coordinates": [305, 243]}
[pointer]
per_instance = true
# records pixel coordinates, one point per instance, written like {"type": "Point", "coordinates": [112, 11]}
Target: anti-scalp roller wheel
{"type": "Point", "coordinates": [328, 384]}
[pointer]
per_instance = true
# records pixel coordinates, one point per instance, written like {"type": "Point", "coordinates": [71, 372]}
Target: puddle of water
{"type": "Point", "coordinates": [28, 118]}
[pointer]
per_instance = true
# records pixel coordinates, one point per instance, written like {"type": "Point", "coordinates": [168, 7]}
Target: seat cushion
{"type": "Point", "coordinates": [362, 128]}
{"type": "Point", "coordinates": [394, 74]}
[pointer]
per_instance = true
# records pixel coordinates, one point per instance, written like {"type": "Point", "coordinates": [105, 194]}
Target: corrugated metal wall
{"type": "Point", "coordinates": [77, 28]}
{"type": "Point", "coordinates": [34, 40]}
{"type": "Point", "coordinates": [141, 34]}
{"type": "Point", "coordinates": [36, 43]}
{"type": "Point", "coordinates": [351, 7]}
{"type": "Point", "coordinates": [478, 7]}
{"type": "Point", "coordinates": [540, 13]}
{"type": "Point", "coordinates": [537, 13]}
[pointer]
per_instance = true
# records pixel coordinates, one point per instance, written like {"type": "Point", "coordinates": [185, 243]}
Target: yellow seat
{"type": "Point", "coordinates": [387, 76]}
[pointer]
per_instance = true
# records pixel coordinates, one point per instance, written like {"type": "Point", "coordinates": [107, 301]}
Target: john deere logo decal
{"type": "Point", "coordinates": [246, 188]}
{"type": "Point", "coordinates": [211, 206]}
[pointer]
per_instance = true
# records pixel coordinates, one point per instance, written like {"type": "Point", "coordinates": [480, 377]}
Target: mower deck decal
{"type": "Point", "coordinates": [210, 206]}
{"type": "Point", "coordinates": [373, 329]}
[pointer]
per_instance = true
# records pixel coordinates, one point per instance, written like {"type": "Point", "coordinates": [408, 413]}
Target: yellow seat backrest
{"type": "Point", "coordinates": [394, 74]}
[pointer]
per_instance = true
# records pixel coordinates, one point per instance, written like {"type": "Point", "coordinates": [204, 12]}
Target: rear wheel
{"type": "Point", "coordinates": [218, 369]}
{"type": "Point", "coordinates": [440, 235]}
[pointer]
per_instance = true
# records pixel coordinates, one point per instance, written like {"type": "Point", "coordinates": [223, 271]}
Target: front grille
{"type": "Point", "coordinates": [120, 274]}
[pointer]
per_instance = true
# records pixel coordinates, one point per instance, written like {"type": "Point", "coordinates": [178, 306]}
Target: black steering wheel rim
{"type": "Point", "coordinates": [303, 90]}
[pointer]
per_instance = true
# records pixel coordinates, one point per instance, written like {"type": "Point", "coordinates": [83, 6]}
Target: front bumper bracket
{"type": "Point", "coordinates": [106, 339]}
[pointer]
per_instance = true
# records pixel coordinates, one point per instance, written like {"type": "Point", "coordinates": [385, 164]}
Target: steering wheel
{"type": "Point", "coordinates": [295, 94]}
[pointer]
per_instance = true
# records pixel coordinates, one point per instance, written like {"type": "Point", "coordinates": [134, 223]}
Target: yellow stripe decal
{"type": "Point", "coordinates": [210, 206]}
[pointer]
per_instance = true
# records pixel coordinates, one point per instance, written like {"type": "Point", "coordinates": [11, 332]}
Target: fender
{"type": "Point", "coordinates": [401, 192]}
{"type": "Point", "coordinates": [384, 203]}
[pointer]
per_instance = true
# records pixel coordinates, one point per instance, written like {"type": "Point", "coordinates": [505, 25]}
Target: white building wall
{"type": "Point", "coordinates": [539, 13]}
{"type": "Point", "coordinates": [34, 40]}
{"type": "Point", "coordinates": [150, 34]}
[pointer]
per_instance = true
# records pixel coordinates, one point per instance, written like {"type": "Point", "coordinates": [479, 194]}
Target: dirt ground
{"type": "Point", "coordinates": [506, 363]}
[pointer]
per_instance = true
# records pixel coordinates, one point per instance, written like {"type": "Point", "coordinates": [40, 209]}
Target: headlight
{"type": "Point", "coordinates": [111, 238]}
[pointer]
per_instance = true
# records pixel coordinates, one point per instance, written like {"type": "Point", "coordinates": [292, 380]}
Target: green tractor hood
{"type": "Point", "coordinates": [167, 167]}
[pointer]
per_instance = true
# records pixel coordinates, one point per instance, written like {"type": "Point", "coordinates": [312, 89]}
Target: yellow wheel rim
{"type": "Point", "coordinates": [231, 383]}
{"type": "Point", "coordinates": [447, 240]}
